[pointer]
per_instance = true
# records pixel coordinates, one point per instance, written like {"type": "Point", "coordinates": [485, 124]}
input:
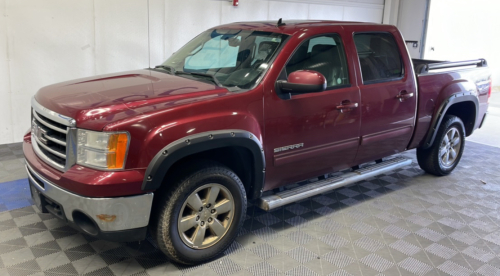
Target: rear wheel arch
{"type": "Point", "coordinates": [239, 150]}
{"type": "Point", "coordinates": [464, 105]}
{"type": "Point", "coordinates": [466, 111]}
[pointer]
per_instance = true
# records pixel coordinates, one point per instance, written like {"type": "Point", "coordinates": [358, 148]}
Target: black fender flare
{"type": "Point", "coordinates": [196, 143]}
{"type": "Point", "coordinates": [437, 120]}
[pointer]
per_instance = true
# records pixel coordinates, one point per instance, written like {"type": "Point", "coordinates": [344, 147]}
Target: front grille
{"type": "Point", "coordinates": [50, 138]}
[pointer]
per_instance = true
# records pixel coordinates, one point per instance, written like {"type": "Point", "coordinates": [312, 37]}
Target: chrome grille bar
{"type": "Point", "coordinates": [48, 124]}
{"type": "Point", "coordinates": [44, 157]}
{"type": "Point", "coordinates": [53, 137]}
{"type": "Point", "coordinates": [56, 140]}
{"type": "Point", "coordinates": [54, 116]}
{"type": "Point", "coordinates": [47, 148]}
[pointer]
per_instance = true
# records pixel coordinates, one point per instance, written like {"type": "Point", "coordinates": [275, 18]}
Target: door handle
{"type": "Point", "coordinates": [346, 106]}
{"type": "Point", "coordinates": [404, 95]}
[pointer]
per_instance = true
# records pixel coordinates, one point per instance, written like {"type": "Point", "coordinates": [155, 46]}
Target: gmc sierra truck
{"type": "Point", "coordinates": [242, 109]}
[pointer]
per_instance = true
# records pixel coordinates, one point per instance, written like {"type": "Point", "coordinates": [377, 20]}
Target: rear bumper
{"type": "Point", "coordinates": [115, 218]}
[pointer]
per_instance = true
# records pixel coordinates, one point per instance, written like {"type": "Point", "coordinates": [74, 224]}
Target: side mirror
{"type": "Point", "coordinates": [303, 81]}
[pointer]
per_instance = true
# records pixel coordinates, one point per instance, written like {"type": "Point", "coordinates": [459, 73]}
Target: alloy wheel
{"type": "Point", "coordinates": [206, 216]}
{"type": "Point", "coordinates": [450, 147]}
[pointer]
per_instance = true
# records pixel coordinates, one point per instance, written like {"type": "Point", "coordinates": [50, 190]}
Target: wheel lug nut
{"type": "Point", "coordinates": [208, 205]}
{"type": "Point", "coordinates": [213, 211]}
{"type": "Point", "coordinates": [202, 223]}
{"type": "Point", "coordinates": [201, 209]}
{"type": "Point", "coordinates": [197, 218]}
{"type": "Point", "coordinates": [209, 219]}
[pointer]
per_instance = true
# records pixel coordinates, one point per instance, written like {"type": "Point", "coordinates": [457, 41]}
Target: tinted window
{"type": "Point", "coordinates": [323, 54]}
{"type": "Point", "coordinates": [379, 56]}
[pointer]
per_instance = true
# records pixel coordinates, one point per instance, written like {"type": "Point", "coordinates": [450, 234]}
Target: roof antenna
{"type": "Point", "coordinates": [280, 23]}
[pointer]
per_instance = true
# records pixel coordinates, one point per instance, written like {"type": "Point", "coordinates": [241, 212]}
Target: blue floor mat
{"type": "Point", "coordinates": [15, 194]}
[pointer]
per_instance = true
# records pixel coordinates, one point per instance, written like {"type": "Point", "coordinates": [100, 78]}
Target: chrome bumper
{"type": "Point", "coordinates": [110, 214]}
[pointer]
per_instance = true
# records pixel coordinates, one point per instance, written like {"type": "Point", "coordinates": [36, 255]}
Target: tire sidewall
{"type": "Point", "coordinates": [193, 182]}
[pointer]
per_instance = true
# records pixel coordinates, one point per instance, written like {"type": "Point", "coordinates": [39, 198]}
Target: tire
{"type": "Point", "coordinates": [188, 236]}
{"type": "Point", "coordinates": [444, 155]}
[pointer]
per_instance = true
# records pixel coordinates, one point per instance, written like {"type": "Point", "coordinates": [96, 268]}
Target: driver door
{"type": "Point", "coordinates": [311, 134]}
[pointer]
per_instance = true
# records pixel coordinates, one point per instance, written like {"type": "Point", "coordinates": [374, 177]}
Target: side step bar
{"type": "Point", "coordinates": [282, 198]}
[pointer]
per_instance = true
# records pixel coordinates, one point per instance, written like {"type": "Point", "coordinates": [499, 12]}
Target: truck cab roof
{"type": "Point", "coordinates": [291, 26]}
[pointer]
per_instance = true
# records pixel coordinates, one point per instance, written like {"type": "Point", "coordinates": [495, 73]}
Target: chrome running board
{"type": "Point", "coordinates": [288, 196]}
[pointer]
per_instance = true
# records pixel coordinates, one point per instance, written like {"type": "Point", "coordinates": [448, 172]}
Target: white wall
{"type": "Point", "coordinates": [48, 41]}
{"type": "Point", "coordinates": [391, 11]}
{"type": "Point", "coordinates": [465, 29]}
{"type": "Point", "coordinates": [411, 19]}
{"type": "Point", "coordinates": [6, 134]}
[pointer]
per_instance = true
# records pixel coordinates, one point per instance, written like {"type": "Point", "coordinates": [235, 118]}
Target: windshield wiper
{"type": "Point", "coordinates": [166, 67]}
{"type": "Point", "coordinates": [212, 77]}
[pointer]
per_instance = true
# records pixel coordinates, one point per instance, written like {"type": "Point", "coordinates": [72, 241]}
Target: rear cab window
{"type": "Point", "coordinates": [379, 57]}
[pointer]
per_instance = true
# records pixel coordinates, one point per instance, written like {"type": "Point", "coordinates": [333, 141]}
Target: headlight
{"type": "Point", "coordinates": [102, 150]}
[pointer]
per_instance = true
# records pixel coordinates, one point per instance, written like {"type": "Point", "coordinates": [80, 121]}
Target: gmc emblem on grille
{"type": "Point", "coordinates": [39, 133]}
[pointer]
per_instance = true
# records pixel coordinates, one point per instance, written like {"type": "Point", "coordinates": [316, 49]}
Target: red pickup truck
{"type": "Point", "coordinates": [242, 109]}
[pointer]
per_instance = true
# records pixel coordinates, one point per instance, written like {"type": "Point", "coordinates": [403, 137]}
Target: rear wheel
{"type": "Point", "coordinates": [200, 216]}
{"type": "Point", "coordinates": [443, 156]}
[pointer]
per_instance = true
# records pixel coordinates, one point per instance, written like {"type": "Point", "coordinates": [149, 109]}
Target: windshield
{"type": "Point", "coordinates": [230, 58]}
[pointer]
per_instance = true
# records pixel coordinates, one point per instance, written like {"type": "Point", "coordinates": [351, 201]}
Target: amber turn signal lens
{"type": "Point", "coordinates": [117, 150]}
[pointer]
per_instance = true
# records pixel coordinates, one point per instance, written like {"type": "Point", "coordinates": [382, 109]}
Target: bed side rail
{"type": "Point", "coordinates": [423, 68]}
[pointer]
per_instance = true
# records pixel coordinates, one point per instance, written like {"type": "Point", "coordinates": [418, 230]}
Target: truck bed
{"type": "Point", "coordinates": [436, 80]}
{"type": "Point", "coordinates": [423, 66]}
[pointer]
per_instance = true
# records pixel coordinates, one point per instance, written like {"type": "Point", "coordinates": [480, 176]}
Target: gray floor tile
{"type": "Point", "coordinates": [403, 222]}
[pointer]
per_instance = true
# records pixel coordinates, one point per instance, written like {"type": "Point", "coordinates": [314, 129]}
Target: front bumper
{"type": "Point", "coordinates": [115, 218]}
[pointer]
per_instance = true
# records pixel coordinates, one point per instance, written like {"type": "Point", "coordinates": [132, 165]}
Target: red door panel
{"type": "Point", "coordinates": [327, 137]}
{"type": "Point", "coordinates": [388, 92]}
{"type": "Point", "coordinates": [312, 133]}
{"type": "Point", "coordinates": [386, 123]}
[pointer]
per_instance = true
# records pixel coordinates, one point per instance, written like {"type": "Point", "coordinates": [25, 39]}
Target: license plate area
{"type": "Point", "coordinates": [37, 197]}
{"type": "Point", "coordinates": [45, 204]}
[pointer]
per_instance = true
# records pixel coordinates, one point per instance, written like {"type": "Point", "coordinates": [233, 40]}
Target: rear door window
{"type": "Point", "coordinates": [379, 57]}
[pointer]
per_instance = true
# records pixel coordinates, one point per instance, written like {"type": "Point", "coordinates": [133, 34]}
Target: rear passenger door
{"type": "Point", "coordinates": [388, 95]}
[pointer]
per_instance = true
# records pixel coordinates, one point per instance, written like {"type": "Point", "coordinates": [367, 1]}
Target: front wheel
{"type": "Point", "coordinates": [200, 216]}
{"type": "Point", "coordinates": [445, 153]}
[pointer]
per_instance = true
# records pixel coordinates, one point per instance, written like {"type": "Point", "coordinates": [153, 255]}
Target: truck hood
{"type": "Point", "coordinates": [97, 101]}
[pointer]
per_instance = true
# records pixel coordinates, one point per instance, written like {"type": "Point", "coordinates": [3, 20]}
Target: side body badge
{"type": "Point", "coordinates": [285, 148]}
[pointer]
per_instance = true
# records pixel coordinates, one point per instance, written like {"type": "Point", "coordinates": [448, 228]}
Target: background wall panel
{"type": "Point", "coordinates": [186, 19]}
{"type": "Point", "coordinates": [363, 14]}
{"type": "Point", "coordinates": [5, 108]}
{"type": "Point", "coordinates": [156, 31]}
{"type": "Point", "coordinates": [48, 41]}
{"type": "Point", "coordinates": [121, 35]}
{"type": "Point", "coordinates": [378, 2]}
{"type": "Point", "coordinates": [326, 12]}
{"type": "Point", "coordinates": [252, 10]}
{"type": "Point", "coordinates": [290, 10]}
